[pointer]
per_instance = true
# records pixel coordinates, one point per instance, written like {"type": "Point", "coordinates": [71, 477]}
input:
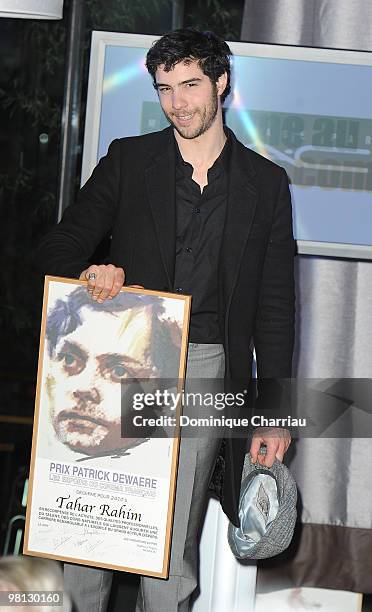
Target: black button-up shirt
{"type": "Point", "coordinates": [200, 222]}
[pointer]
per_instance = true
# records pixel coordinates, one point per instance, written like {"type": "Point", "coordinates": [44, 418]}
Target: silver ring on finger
{"type": "Point", "coordinates": [92, 276]}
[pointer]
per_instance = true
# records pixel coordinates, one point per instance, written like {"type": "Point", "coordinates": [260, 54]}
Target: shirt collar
{"type": "Point", "coordinates": [221, 164]}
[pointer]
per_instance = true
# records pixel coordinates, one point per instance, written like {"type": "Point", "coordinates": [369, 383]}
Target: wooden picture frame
{"type": "Point", "coordinates": [95, 497]}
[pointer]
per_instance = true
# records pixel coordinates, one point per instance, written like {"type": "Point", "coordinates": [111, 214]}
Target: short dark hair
{"type": "Point", "coordinates": [65, 317]}
{"type": "Point", "coordinates": [212, 53]}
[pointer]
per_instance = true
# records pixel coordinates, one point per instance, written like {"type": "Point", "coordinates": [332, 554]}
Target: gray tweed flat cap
{"type": "Point", "coordinates": [267, 511]}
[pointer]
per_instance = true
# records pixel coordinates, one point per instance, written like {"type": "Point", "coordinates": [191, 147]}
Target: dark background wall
{"type": "Point", "coordinates": [32, 81]}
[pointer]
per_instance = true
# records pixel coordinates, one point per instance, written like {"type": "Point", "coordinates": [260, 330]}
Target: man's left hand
{"type": "Point", "coordinates": [275, 439]}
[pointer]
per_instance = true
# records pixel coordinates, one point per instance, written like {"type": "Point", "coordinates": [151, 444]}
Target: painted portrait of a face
{"type": "Point", "coordinates": [93, 348]}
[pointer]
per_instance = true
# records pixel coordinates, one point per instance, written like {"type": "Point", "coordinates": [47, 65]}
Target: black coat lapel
{"type": "Point", "coordinates": [241, 207]}
{"type": "Point", "coordinates": [160, 184]}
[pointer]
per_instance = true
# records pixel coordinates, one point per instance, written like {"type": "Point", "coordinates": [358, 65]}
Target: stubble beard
{"type": "Point", "coordinates": [207, 118]}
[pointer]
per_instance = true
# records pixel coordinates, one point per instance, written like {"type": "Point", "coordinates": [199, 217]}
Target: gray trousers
{"type": "Point", "coordinates": [90, 587]}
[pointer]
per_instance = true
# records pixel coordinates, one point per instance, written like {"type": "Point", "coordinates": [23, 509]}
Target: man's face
{"type": "Point", "coordinates": [189, 99]}
{"type": "Point", "coordinates": [84, 382]}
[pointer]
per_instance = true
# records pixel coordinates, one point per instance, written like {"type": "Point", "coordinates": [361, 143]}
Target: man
{"type": "Point", "coordinates": [83, 384]}
{"type": "Point", "coordinates": [190, 209]}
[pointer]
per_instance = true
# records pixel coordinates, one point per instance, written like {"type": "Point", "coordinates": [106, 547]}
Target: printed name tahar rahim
{"type": "Point", "coordinates": [103, 510]}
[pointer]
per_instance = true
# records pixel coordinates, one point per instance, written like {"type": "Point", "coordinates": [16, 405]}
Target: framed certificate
{"type": "Point", "coordinates": [99, 494]}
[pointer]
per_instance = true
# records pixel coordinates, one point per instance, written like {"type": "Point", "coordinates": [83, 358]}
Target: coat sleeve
{"type": "Point", "coordinates": [66, 249]}
{"type": "Point", "coordinates": [275, 319]}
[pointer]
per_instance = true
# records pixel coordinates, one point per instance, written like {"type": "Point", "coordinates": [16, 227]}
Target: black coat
{"type": "Point", "coordinates": [131, 195]}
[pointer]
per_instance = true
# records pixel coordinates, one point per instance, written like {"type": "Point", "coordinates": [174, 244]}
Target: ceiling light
{"type": "Point", "coordinates": [31, 9]}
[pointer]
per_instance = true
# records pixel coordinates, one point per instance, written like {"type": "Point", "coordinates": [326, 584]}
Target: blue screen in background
{"type": "Point", "coordinates": [313, 118]}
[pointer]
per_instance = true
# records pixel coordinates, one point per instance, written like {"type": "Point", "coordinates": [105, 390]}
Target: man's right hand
{"type": "Point", "coordinates": [106, 283]}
